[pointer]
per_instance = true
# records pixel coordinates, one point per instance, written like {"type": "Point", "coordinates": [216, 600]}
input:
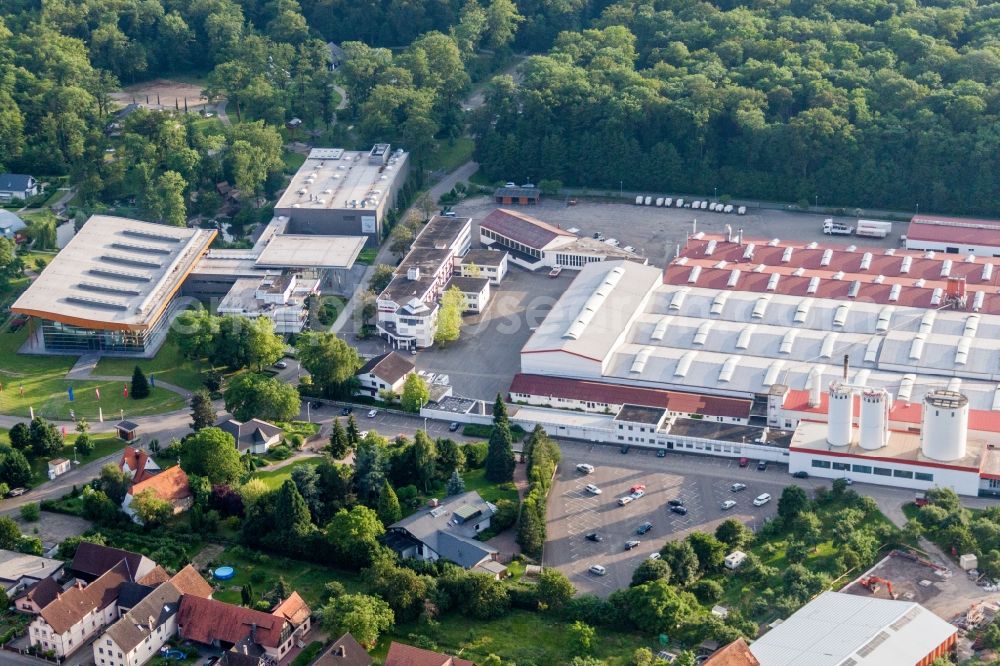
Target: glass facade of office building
{"type": "Point", "coordinates": [62, 337]}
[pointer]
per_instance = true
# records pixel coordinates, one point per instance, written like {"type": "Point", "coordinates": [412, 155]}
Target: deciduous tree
{"type": "Point", "coordinates": [212, 453]}
{"type": "Point", "coordinates": [449, 323]}
{"type": "Point", "coordinates": [251, 396]}
{"type": "Point", "coordinates": [415, 393]}
{"type": "Point", "coordinates": [150, 508]}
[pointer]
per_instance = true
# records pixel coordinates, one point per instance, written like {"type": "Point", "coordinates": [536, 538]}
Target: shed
{"type": "Point", "coordinates": [526, 195]}
{"type": "Point", "coordinates": [735, 559]}
{"type": "Point", "coordinates": [58, 466]}
{"type": "Point", "coordinates": [968, 562]}
{"type": "Point", "coordinates": [127, 430]}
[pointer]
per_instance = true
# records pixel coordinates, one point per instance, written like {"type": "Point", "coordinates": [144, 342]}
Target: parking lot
{"type": "Point", "coordinates": [486, 357]}
{"type": "Point", "coordinates": [655, 232]}
{"type": "Point", "coordinates": [701, 483]}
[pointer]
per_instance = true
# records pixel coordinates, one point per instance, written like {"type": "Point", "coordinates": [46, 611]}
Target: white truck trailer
{"type": "Point", "coordinates": [836, 228]}
{"type": "Point", "coordinates": [873, 228]}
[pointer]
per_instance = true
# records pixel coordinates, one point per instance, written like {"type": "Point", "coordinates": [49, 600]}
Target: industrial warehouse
{"type": "Point", "coordinates": [877, 367]}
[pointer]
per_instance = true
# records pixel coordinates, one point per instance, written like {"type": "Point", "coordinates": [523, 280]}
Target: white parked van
{"type": "Point", "coordinates": [649, 200]}
{"type": "Point", "coordinates": [638, 200]}
{"type": "Point", "coordinates": [680, 203]}
{"type": "Point", "coordinates": [669, 201]}
{"type": "Point", "coordinates": [742, 210]}
{"type": "Point", "coordinates": [659, 201]}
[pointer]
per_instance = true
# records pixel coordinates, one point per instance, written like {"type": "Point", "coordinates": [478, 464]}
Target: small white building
{"type": "Point", "coordinates": [476, 291]}
{"type": "Point", "coordinates": [735, 559]}
{"type": "Point", "coordinates": [387, 372]}
{"type": "Point", "coordinates": [281, 298]}
{"type": "Point", "coordinates": [490, 264]}
{"type": "Point", "coordinates": [58, 467]}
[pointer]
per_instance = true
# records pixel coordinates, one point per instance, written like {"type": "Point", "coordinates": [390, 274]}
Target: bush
{"type": "Point", "coordinates": [477, 430]}
{"type": "Point", "coordinates": [31, 512]}
{"type": "Point", "coordinates": [475, 455]}
{"type": "Point", "coordinates": [280, 452]}
{"type": "Point", "coordinates": [707, 591]}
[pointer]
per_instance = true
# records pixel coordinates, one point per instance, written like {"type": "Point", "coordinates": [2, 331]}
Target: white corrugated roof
{"type": "Point", "coordinates": [834, 627]}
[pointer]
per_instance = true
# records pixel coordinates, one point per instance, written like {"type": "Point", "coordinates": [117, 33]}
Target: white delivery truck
{"type": "Point", "coordinates": [668, 202]}
{"type": "Point", "coordinates": [836, 228]}
{"type": "Point", "coordinates": [873, 228]}
{"type": "Point", "coordinates": [659, 201]}
{"type": "Point", "coordinates": [680, 203]}
{"type": "Point", "coordinates": [638, 200]}
{"type": "Point", "coordinates": [742, 210]}
{"type": "Point", "coordinates": [649, 200]}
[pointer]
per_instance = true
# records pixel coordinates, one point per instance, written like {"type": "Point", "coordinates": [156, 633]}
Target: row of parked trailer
{"type": "Point", "coordinates": [670, 202]}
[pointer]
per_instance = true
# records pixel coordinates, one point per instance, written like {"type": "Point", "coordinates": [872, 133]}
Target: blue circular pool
{"type": "Point", "coordinates": [224, 573]}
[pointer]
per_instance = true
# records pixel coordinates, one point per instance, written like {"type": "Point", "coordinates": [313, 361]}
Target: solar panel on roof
{"type": "Point", "coordinates": [120, 275]}
{"type": "Point", "coordinates": [108, 289]}
{"type": "Point", "coordinates": [129, 261]}
{"type": "Point", "coordinates": [163, 238]}
{"type": "Point", "coordinates": [148, 249]}
{"type": "Point", "coordinates": [96, 302]}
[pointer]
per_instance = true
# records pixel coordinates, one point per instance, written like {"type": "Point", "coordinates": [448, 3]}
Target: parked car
{"type": "Point", "coordinates": [654, 556]}
{"type": "Point", "coordinates": [737, 487]}
{"type": "Point", "coordinates": [594, 536]}
{"type": "Point", "coordinates": [761, 465]}
{"type": "Point", "coordinates": [631, 543]}
{"type": "Point", "coordinates": [624, 448]}
{"type": "Point", "coordinates": [598, 236]}
{"type": "Point", "coordinates": [17, 492]}
{"type": "Point", "coordinates": [676, 502]}
{"type": "Point", "coordinates": [453, 426]}
{"type": "Point", "coordinates": [622, 501]}
{"type": "Point", "coordinates": [629, 248]}
{"type": "Point", "coordinates": [637, 487]}
{"type": "Point", "coordinates": [315, 404]}
{"type": "Point", "coordinates": [742, 210]}
{"type": "Point", "coordinates": [728, 504]}
{"type": "Point", "coordinates": [681, 510]}
{"type": "Point", "coordinates": [346, 411]}
{"type": "Point", "coordinates": [372, 413]}
{"type": "Point", "coordinates": [613, 242]}
{"type": "Point", "coordinates": [556, 270]}
{"type": "Point", "coordinates": [281, 365]}
{"type": "Point", "coordinates": [801, 474]}
{"type": "Point", "coordinates": [744, 462]}
{"type": "Point", "coordinates": [661, 453]}
{"type": "Point", "coordinates": [762, 499]}
{"type": "Point", "coordinates": [637, 494]}
{"type": "Point", "coordinates": [645, 527]}
{"type": "Point", "coordinates": [593, 490]}
{"type": "Point", "coordinates": [585, 468]}
{"type": "Point", "coordinates": [597, 570]}
{"type": "Point", "coordinates": [712, 206]}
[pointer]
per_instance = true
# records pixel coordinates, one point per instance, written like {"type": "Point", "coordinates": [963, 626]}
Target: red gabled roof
{"type": "Point", "coordinates": [77, 602]}
{"type": "Point", "coordinates": [524, 229]}
{"type": "Point", "coordinates": [736, 653]}
{"type": "Point", "coordinates": [189, 581]}
{"type": "Point", "coordinates": [294, 609]}
{"type": "Point", "coordinates": [206, 620]}
{"type": "Point", "coordinates": [957, 230]}
{"type": "Point", "coordinates": [136, 460]}
{"type": "Point", "coordinates": [170, 485]}
{"type": "Point", "coordinates": [401, 654]}
{"type": "Point", "coordinates": [591, 391]}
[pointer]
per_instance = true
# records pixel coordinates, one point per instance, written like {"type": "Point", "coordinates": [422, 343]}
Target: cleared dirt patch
{"type": "Point", "coordinates": [162, 94]}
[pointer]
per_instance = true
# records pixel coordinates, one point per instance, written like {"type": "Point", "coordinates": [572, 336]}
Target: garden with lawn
{"type": "Point", "coordinates": [40, 382]}
{"type": "Point", "coordinates": [168, 365]}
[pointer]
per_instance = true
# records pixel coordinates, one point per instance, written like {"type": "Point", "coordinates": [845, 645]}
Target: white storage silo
{"type": "Point", "coordinates": [840, 414]}
{"type": "Point", "coordinates": [944, 425]}
{"type": "Point", "coordinates": [815, 387]}
{"type": "Point", "coordinates": [873, 426]}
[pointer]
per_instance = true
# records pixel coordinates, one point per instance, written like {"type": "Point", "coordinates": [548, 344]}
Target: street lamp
{"type": "Point", "coordinates": [918, 209]}
{"type": "Point", "coordinates": [817, 200]}
{"type": "Point", "coordinates": [621, 189]}
{"type": "Point", "coordinates": [716, 188]}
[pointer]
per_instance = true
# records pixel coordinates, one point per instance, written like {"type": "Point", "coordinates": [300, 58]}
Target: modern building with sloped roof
{"type": "Point", "coordinates": [386, 372]}
{"type": "Point", "coordinates": [835, 629]}
{"type": "Point", "coordinates": [253, 436]}
{"type": "Point", "coordinates": [446, 531]}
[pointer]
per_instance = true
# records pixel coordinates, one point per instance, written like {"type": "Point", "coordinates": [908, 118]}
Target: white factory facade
{"type": "Point", "coordinates": [879, 366]}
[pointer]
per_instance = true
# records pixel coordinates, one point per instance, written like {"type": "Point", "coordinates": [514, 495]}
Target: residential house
{"type": "Point", "coordinates": [345, 651]}
{"type": "Point", "coordinates": [91, 561]}
{"type": "Point", "coordinates": [79, 613]}
{"type": "Point", "coordinates": [736, 653]}
{"type": "Point", "coordinates": [337, 55]}
{"type": "Point", "coordinates": [384, 373]}
{"type": "Point", "coordinates": [140, 633]}
{"type": "Point", "coordinates": [401, 654]}
{"type": "Point", "coordinates": [137, 464]}
{"type": "Point", "coordinates": [19, 571]}
{"type": "Point", "coordinates": [490, 264]}
{"type": "Point", "coordinates": [11, 225]}
{"type": "Point", "coordinates": [37, 596]}
{"type": "Point", "coordinates": [253, 436]}
{"type": "Point", "coordinates": [218, 624]}
{"type": "Point", "coordinates": [446, 531]}
{"type": "Point", "coordinates": [170, 485]}
{"type": "Point", "coordinates": [17, 186]}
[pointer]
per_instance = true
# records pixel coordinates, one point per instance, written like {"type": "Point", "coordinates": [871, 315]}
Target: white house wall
{"type": "Point", "coordinates": [962, 482]}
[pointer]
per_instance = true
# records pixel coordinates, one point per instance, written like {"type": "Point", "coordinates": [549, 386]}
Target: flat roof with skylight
{"type": "Point", "coordinates": [337, 179]}
{"type": "Point", "coordinates": [300, 251]}
{"type": "Point", "coordinates": [116, 274]}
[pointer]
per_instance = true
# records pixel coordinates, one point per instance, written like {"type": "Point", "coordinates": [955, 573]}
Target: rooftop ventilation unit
{"type": "Point", "coordinates": [681, 261]}
{"type": "Point", "coordinates": [962, 351]}
{"type": "Point", "coordinates": [840, 316]}
{"type": "Point", "coordinates": [677, 300]}
{"type": "Point", "coordinates": [772, 282]}
{"type": "Point", "coordinates": [970, 258]}
{"type": "Point", "coordinates": [884, 319]}
{"type": "Point", "coordinates": [917, 346]}
{"type": "Point", "coordinates": [894, 292]}
{"type": "Point", "coordinates": [919, 282]}
{"type": "Point", "coordinates": [955, 384]}
{"type": "Point", "coordinates": [639, 364]}
{"type": "Point", "coordinates": [890, 251]}
{"type": "Point", "coordinates": [826, 349]}
{"type": "Point", "coordinates": [684, 364]}
{"type": "Point", "coordinates": [813, 285]}
{"type": "Point", "coordinates": [977, 301]}
{"type": "Point", "coordinates": [774, 242]}
{"type": "Point", "coordinates": [871, 351]}
{"type": "Point", "coordinates": [930, 254]}
{"type": "Point", "coordinates": [812, 246]}
{"type": "Point", "coordinates": [773, 372]}
{"type": "Point", "coordinates": [719, 302]}
{"type": "Point", "coordinates": [927, 322]}
{"type": "Point", "coordinates": [787, 342]}
{"type": "Point", "coordinates": [825, 259]}
{"type": "Point", "coordinates": [866, 261]}
{"type": "Point", "coordinates": [748, 252]}
{"type": "Point", "coordinates": [694, 274]}
{"type": "Point", "coordinates": [710, 248]}
{"type": "Point", "coordinates": [855, 287]}
{"type": "Point", "coordinates": [799, 272]}
{"type": "Point", "coordinates": [743, 341]}
{"type": "Point", "coordinates": [971, 326]}
{"type": "Point", "coordinates": [802, 311]}
{"type": "Point", "coordinates": [660, 329]}
{"type": "Point", "coordinates": [987, 272]}
{"type": "Point", "coordinates": [936, 296]}
{"type": "Point", "coordinates": [701, 336]}
{"type": "Point", "coordinates": [721, 264]}
{"type": "Point", "coordinates": [904, 267]}
{"type": "Point", "coordinates": [759, 268]}
{"type": "Point", "coordinates": [760, 307]}
{"type": "Point", "coordinates": [786, 256]}
{"type": "Point", "coordinates": [734, 277]}
{"type": "Point", "coordinates": [851, 248]}
{"type": "Point", "coordinates": [728, 368]}
{"type": "Point", "coordinates": [946, 267]}
{"type": "Point", "coordinates": [879, 279]}
{"type": "Point", "coordinates": [906, 387]}
{"type": "Point", "coordinates": [839, 275]}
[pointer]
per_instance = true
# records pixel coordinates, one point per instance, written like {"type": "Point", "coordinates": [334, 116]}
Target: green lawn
{"type": "Point", "coordinates": [207, 126]}
{"type": "Point", "coordinates": [106, 444]}
{"type": "Point", "coordinates": [262, 573]}
{"type": "Point", "coordinates": [450, 156]}
{"type": "Point", "coordinates": [275, 478]}
{"type": "Point", "coordinates": [44, 383]}
{"type": "Point", "coordinates": [367, 256]}
{"type": "Point", "coordinates": [293, 161]}
{"type": "Point", "coordinates": [168, 365]}
{"type": "Point", "coordinates": [476, 480]}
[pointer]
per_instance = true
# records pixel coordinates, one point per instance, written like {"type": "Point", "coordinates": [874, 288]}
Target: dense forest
{"type": "Point", "coordinates": [854, 103]}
